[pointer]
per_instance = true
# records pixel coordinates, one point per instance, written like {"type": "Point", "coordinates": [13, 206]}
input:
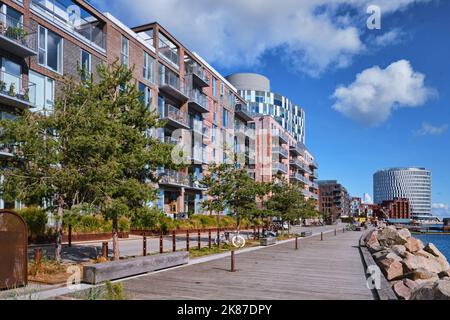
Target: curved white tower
{"type": "Point", "coordinates": [411, 183]}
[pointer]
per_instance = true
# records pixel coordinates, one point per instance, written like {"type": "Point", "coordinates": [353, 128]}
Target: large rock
{"type": "Point", "coordinates": [392, 268]}
{"type": "Point", "coordinates": [411, 284]}
{"type": "Point", "coordinates": [413, 245]}
{"type": "Point", "coordinates": [439, 290]}
{"type": "Point", "coordinates": [412, 263]}
{"type": "Point", "coordinates": [402, 291]}
{"type": "Point", "coordinates": [444, 274]}
{"type": "Point", "coordinates": [440, 258]}
{"type": "Point", "coordinates": [386, 254]}
{"type": "Point", "coordinates": [371, 239]}
{"type": "Point", "coordinates": [404, 233]}
{"type": "Point", "coordinates": [421, 274]}
{"type": "Point", "coordinates": [398, 249]}
{"type": "Point", "coordinates": [423, 253]}
{"type": "Point", "coordinates": [390, 236]}
{"type": "Point", "coordinates": [376, 248]}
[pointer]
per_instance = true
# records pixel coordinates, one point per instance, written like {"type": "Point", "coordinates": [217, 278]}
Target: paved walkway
{"type": "Point", "coordinates": [329, 269]}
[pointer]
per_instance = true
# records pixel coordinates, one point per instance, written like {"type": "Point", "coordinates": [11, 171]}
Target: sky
{"type": "Point", "coordinates": [374, 98]}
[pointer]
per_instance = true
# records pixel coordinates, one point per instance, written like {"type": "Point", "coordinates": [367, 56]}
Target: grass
{"type": "Point", "coordinates": [205, 251]}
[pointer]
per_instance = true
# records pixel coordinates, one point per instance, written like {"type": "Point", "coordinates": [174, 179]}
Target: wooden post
{"type": "Point", "coordinates": [105, 249]}
{"type": "Point", "coordinates": [144, 245]}
{"type": "Point", "coordinates": [199, 240]}
{"type": "Point", "coordinates": [70, 235]}
{"type": "Point", "coordinates": [187, 240]}
{"type": "Point", "coordinates": [161, 248]}
{"type": "Point", "coordinates": [232, 261]}
{"type": "Point", "coordinates": [174, 241]}
{"type": "Point", "coordinates": [37, 255]}
{"type": "Point", "coordinates": [296, 242]}
{"type": "Point", "coordinates": [209, 239]}
{"type": "Point", "coordinates": [218, 237]}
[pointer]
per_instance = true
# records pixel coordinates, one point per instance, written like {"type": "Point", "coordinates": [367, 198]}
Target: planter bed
{"type": "Point", "coordinates": [101, 272]}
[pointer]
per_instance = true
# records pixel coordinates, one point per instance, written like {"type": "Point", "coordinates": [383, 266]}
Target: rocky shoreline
{"type": "Point", "coordinates": [414, 271]}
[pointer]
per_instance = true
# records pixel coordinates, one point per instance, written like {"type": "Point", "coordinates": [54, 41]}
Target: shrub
{"type": "Point", "coordinates": [146, 218]}
{"type": "Point", "coordinates": [36, 220]}
{"type": "Point", "coordinates": [227, 222]}
{"type": "Point", "coordinates": [123, 224]}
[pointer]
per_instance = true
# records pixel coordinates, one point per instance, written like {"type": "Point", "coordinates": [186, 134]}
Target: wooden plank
{"type": "Point", "coordinates": [328, 269]}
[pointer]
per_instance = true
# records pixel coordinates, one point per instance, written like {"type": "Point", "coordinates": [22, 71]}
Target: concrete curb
{"type": "Point", "coordinates": [385, 292]}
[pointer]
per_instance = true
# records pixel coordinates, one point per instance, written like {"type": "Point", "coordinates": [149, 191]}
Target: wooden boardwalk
{"type": "Point", "coordinates": [329, 269]}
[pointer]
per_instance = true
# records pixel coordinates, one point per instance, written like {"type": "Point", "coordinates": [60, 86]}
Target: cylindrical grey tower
{"type": "Point", "coordinates": [249, 81]}
{"type": "Point", "coordinates": [411, 183]}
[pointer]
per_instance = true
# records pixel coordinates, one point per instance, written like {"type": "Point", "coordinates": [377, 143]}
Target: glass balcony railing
{"type": "Point", "coordinates": [169, 140]}
{"type": "Point", "coordinates": [283, 152]}
{"type": "Point", "coordinates": [280, 167]}
{"type": "Point", "coordinates": [199, 98]}
{"type": "Point", "coordinates": [172, 80]}
{"type": "Point", "coordinates": [8, 149]}
{"type": "Point", "coordinates": [281, 135]}
{"type": "Point", "coordinates": [17, 32]}
{"type": "Point", "coordinates": [13, 88]}
{"type": "Point", "coordinates": [174, 114]}
{"type": "Point", "coordinates": [168, 51]}
{"type": "Point", "coordinates": [67, 15]}
{"type": "Point", "coordinates": [197, 126]}
{"type": "Point", "coordinates": [171, 177]}
{"type": "Point", "coordinates": [193, 68]}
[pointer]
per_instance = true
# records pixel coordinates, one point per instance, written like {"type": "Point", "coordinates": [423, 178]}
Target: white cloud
{"type": "Point", "coordinates": [393, 36]}
{"type": "Point", "coordinates": [313, 35]}
{"type": "Point", "coordinates": [376, 92]}
{"type": "Point", "coordinates": [428, 129]}
{"type": "Point", "coordinates": [441, 210]}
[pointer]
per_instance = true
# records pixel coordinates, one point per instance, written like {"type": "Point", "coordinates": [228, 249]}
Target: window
{"type": "Point", "coordinates": [222, 89]}
{"type": "Point", "coordinates": [50, 49]}
{"type": "Point", "coordinates": [149, 67]}
{"type": "Point", "coordinates": [44, 91]}
{"type": "Point", "coordinates": [86, 63]}
{"type": "Point", "coordinates": [225, 118]}
{"type": "Point", "coordinates": [11, 75]}
{"type": "Point", "coordinates": [125, 51]}
{"type": "Point", "coordinates": [146, 94]}
{"type": "Point", "coordinates": [214, 87]}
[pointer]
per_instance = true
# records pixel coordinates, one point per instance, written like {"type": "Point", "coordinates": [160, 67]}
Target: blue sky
{"type": "Point", "coordinates": [394, 115]}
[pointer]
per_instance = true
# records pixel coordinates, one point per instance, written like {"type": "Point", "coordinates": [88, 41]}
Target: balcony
{"type": "Point", "coordinates": [170, 84]}
{"type": "Point", "coordinates": [168, 51]}
{"type": "Point", "coordinates": [298, 177]}
{"type": "Point", "coordinates": [313, 174]}
{"type": "Point", "coordinates": [16, 38]}
{"type": "Point", "coordinates": [313, 185]}
{"type": "Point", "coordinates": [284, 139]}
{"type": "Point", "coordinates": [297, 149]}
{"type": "Point", "coordinates": [14, 94]}
{"type": "Point", "coordinates": [296, 163]}
{"type": "Point", "coordinates": [169, 140]}
{"type": "Point", "coordinates": [174, 179]}
{"type": "Point", "coordinates": [198, 101]}
{"type": "Point", "coordinates": [195, 183]}
{"type": "Point", "coordinates": [243, 111]}
{"type": "Point", "coordinates": [174, 117]}
{"type": "Point", "coordinates": [314, 165]}
{"type": "Point", "coordinates": [279, 167]}
{"type": "Point", "coordinates": [197, 74]}
{"type": "Point", "coordinates": [281, 152]}
{"type": "Point", "coordinates": [310, 195]}
{"type": "Point", "coordinates": [67, 16]}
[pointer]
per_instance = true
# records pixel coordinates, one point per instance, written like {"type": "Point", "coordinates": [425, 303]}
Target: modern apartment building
{"type": "Point", "coordinates": [334, 200]}
{"type": "Point", "coordinates": [255, 88]}
{"type": "Point", "coordinates": [413, 184]}
{"type": "Point", "coordinates": [43, 40]}
{"type": "Point", "coordinates": [397, 208]}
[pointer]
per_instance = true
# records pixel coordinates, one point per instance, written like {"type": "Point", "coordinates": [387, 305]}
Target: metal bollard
{"type": "Point", "coordinates": [232, 261]}
{"type": "Point", "coordinates": [174, 241]}
{"type": "Point", "coordinates": [144, 246]}
{"type": "Point", "coordinates": [321, 236]}
{"type": "Point", "coordinates": [105, 249]}
{"type": "Point", "coordinates": [209, 239]}
{"type": "Point", "coordinates": [187, 240]}
{"type": "Point", "coordinates": [161, 248]}
{"type": "Point", "coordinates": [199, 245]}
{"type": "Point", "coordinates": [296, 243]}
{"type": "Point", "coordinates": [70, 235]}
{"type": "Point", "coordinates": [37, 255]}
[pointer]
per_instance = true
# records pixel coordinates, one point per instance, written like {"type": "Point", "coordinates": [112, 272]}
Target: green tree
{"type": "Point", "coordinates": [95, 147]}
{"type": "Point", "coordinates": [287, 202]}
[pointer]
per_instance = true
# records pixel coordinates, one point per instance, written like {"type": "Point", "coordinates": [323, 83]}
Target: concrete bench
{"type": "Point", "coordinates": [101, 272]}
{"type": "Point", "coordinates": [306, 234]}
{"type": "Point", "coordinates": [268, 241]}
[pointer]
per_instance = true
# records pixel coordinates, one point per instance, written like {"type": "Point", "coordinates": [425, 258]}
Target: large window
{"type": "Point", "coordinates": [214, 87]}
{"type": "Point", "coordinates": [11, 74]}
{"type": "Point", "coordinates": [225, 118]}
{"type": "Point", "coordinates": [146, 94]}
{"type": "Point", "coordinates": [86, 63]}
{"type": "Point", "coordinates": [125, 51]}
{"type": "Point", "coordinates": [50, 49]}
{"type": "Point", "coordinates": [44, 91]}
{"type": "Point", "coordinates": [149, 67]}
